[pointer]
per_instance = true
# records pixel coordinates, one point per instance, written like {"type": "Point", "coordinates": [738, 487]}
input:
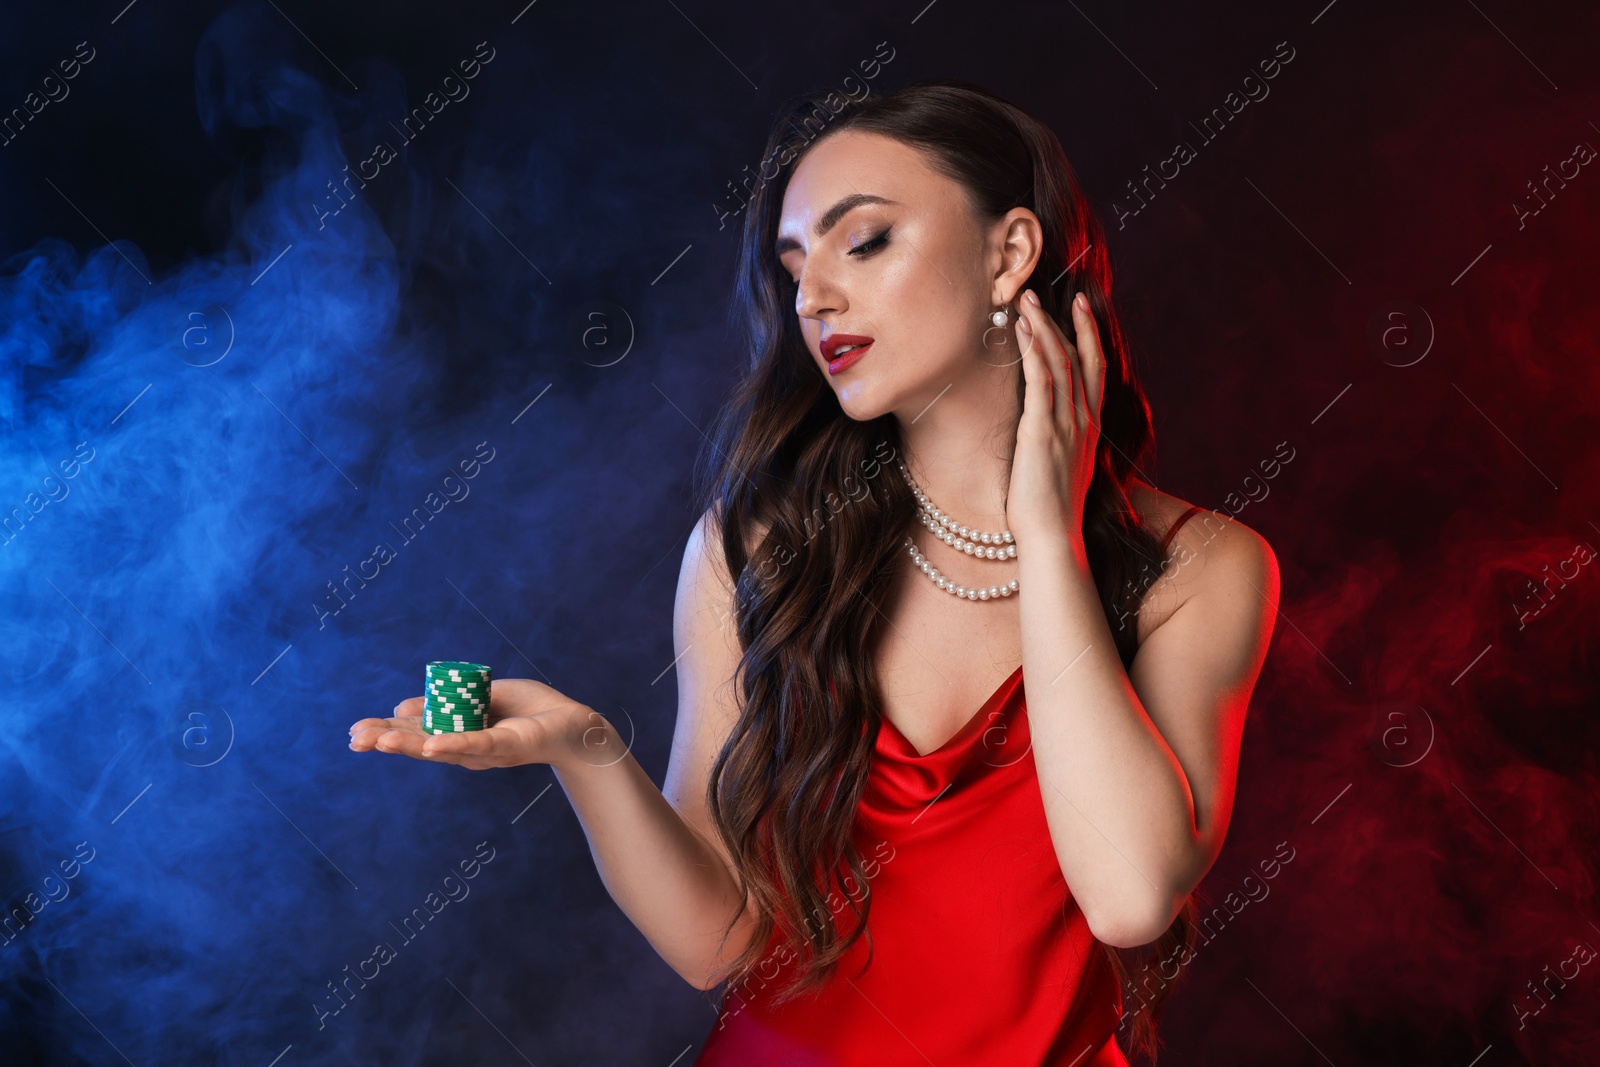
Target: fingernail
{"type": "Point", "coordinates": [1031, 297]}
{"type": "Point", "coordinates": [1024, 326]}
{"type": "Point", "coordinates": [1082, 301]}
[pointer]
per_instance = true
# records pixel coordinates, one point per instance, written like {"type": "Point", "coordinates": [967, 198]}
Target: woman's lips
{"type": "Point", "coordinates": [837, 365]}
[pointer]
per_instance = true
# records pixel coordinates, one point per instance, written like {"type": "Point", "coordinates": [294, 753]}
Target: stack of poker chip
{"type": "Point", "coordinates": [457, 698]}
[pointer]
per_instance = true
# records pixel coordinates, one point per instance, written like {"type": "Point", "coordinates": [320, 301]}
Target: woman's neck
{"type": "Point", "coordinates": [961, 456]}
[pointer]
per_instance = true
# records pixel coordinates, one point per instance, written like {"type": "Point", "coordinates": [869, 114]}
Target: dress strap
{"type": "Point", "coordinates": [1167, 538]}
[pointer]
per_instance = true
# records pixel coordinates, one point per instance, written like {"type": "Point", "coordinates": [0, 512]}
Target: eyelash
{"type": "Point", "coordinates": [865, 248]}
{"type": "Point", "coordinates": [872, 243]}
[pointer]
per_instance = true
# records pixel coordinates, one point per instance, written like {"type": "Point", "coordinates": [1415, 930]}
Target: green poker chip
{"type": "Point", "coordinates": [457, 696]}
{"type": "Point", "coordinates": [458, 665]}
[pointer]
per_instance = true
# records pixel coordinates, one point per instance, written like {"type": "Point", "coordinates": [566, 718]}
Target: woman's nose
{"type": "Point", "coordinates": [815, 295]}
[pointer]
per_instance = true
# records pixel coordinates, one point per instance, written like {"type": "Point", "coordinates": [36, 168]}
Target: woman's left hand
{"type": "Point", "coordinates": [1060, 424]}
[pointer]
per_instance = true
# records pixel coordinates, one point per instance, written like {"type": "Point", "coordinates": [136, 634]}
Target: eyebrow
{"type": "Point", "coordinates": [831, 217]}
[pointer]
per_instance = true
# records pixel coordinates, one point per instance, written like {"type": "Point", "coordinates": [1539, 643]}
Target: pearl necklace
{"type": "Point", "coordinates": [978, 543]}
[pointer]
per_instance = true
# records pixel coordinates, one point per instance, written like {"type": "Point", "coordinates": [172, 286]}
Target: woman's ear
{"type": "Point", "coordinates": [1019, 239]}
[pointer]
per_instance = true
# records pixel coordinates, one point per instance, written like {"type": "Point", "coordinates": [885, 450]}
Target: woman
{"type": "Point", "coordinates": [852, 738]}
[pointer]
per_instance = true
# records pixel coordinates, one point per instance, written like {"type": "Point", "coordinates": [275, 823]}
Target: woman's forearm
{"type": "Point", "coordinates": [1116, 800]}
{"type": "Point", "coordinates": [664, 876]}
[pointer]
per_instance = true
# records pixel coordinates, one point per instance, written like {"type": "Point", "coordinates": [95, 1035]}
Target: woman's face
{"type": "Point", "coordinates": [908, 266]}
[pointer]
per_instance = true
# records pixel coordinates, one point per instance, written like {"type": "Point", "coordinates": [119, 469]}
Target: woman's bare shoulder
{"type": "Point", "coordinates": [1211, 548]}
{"type": "Point", "coordinates": [710, 526]}
{"type": "Point", "coordinates": [1158, 510]}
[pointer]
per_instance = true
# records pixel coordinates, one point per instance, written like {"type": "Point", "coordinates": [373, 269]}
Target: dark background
{"type": "Point", "coordinates": [1342, 273]}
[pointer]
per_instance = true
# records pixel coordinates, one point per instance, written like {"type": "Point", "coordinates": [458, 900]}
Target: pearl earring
{"type": "Point", "coordinates": [999, 317]}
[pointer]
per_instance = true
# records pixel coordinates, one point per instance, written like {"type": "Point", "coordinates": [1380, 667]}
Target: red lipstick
{"type": "Point", "coordinates": [838, 361]}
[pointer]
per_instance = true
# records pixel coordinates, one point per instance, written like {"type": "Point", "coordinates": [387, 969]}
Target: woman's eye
{"type": "Point", "coordinates": [870, 245]}
{"type": "Point", "coordinates": [865, 248]}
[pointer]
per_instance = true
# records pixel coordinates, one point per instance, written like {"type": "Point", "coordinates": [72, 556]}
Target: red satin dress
{"type": "Point", "coordinates": [981, 956]}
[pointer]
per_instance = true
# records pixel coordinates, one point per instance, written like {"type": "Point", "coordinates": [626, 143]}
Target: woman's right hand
{"type": "Point", "coordinates": [529, 722]}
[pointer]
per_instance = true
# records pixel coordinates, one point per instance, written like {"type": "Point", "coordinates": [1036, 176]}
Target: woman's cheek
{"type": "Point", "coordinates": [932, 327]}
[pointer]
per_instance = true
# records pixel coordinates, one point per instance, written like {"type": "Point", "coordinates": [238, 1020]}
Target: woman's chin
{"type": "Point", "coordinates": [861, 402]}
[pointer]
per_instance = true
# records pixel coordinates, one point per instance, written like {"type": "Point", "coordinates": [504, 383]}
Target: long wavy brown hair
{"type": "Point", "coordinates": [814, 536]}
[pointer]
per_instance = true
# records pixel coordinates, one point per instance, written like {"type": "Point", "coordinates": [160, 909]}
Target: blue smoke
{"type": "Point", "coordinates": [242, 502]}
